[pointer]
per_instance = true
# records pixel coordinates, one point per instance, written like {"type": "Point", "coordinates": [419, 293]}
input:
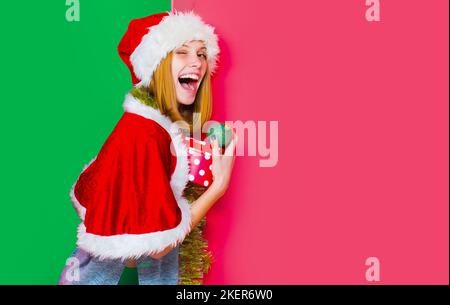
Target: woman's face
{"type": "Point", "coordinates": [189, 64]}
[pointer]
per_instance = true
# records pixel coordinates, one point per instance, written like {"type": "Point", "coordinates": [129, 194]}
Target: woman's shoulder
{"type": "Point", "coordinates": [131, 124]}
{"type": "Point", "coordinates": [133, 132]}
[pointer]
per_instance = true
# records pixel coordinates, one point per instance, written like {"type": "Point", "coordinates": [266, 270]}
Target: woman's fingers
{"type": "Point", "coordinates": [215, 150]}
{"type": "Point", "coordinates": [229, 151]}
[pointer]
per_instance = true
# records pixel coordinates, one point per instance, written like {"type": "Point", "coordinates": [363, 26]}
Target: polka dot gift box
{"type": "Point", "coordinates": [200, 153]}
{"type": "Point", "coordinates": [200, 161]}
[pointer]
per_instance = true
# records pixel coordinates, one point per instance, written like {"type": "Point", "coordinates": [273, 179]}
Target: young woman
{"type": "Point", "coordinates": [137, 207]}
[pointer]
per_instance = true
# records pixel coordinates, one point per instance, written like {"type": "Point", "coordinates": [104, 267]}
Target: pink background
{"type": "Point", "coordinates": [363, 141]}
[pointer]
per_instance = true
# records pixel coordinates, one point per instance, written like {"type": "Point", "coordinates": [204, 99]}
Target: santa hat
{"type": "Point", "coordinates": [148, 40]}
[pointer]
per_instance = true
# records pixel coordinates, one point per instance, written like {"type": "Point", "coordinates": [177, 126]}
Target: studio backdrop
{"type": "Point", "coordinates": [342, 168]}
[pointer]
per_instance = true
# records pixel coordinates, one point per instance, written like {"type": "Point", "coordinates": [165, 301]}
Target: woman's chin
{"type": "Point", "coordinates": [186, 100]}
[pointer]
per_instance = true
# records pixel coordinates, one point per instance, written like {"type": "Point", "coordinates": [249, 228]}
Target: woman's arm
{"type": "Point", "coordinates": [222, 166]}
{"type": "Point", "coordinates": [199, 208]}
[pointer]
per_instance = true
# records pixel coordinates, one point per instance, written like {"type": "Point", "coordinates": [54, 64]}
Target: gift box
{"type": "Point", "coordinates": [200, 161]}
{"type": "Point", "coordinates": [200, 152]}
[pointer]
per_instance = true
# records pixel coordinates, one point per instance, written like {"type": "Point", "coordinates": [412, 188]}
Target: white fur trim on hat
{"type": "Point", "coordinates": [173, 30]}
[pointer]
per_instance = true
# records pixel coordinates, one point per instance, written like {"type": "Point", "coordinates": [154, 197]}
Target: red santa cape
{"type": "Point", "coordinates": [129, 197]}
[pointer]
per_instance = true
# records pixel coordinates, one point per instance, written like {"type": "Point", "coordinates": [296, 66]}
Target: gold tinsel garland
{"type": "Point", "coordinates": [194, 257]}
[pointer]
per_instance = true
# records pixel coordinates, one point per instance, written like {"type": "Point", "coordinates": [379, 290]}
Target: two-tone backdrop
{"type": "Point", "coordinates": [358, 172]}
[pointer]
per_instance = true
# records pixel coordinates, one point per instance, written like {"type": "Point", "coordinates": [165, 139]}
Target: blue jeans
{"type": "Point", "coordinates": [83, 269]}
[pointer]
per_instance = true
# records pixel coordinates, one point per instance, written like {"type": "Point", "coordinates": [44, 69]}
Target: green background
{"type": "Point", "coordinates": [63, 85]}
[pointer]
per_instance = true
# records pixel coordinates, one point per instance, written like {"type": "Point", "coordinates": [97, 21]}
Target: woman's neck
{"type": "Point", "coordinates": [186, 112]}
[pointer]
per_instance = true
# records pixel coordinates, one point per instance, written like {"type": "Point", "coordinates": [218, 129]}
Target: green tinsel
{"type": "Point", "coordinates": [194, 256]}
{"type": "Point", "coordinates": [143, 96]}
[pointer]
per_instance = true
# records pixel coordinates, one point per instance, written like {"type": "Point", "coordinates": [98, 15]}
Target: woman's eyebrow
{"type": "Point", "coordinates": [202, 48]}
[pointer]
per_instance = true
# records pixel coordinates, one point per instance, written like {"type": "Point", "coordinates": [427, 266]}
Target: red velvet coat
{"type": "Point", "coordinates": [130, 196]}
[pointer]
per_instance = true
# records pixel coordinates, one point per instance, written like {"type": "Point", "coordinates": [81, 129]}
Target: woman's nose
{"type": "Point", "coordinates": [195, 61]}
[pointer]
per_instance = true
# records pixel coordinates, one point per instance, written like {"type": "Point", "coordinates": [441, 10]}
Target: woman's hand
{"type": "Point", "coordinates": [162, 253]}
{"type": "Point", "coordinates": [222, 166]}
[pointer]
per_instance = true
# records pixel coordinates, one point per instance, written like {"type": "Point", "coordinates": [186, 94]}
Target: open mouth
{"type": "Point", "coordinates": [189, 82]}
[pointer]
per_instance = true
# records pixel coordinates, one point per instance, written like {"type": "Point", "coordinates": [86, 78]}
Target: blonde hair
{"type": "Point", "coordinates": [162, 89]}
